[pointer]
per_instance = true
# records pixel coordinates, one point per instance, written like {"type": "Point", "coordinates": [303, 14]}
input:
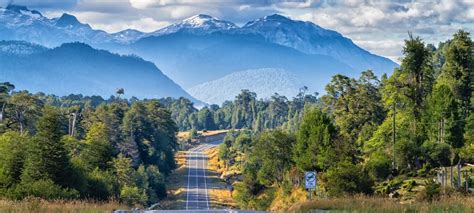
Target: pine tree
{"type": "Point", "coordinates": [47, 156]}
{"type": "Point", "coordinates": [458, 70]}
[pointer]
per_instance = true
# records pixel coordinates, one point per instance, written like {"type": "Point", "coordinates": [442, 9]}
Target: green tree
{"type": "Point", "coordinates": [347, 178]}
{"type": "Point", "coordinates": [272, 151]}
{"type": "Point", "coordinates": [47, 156]}
{"type": "Point", "coordinates": [458, 70]}
{"type": "Point", "coordinates": [124, 171]}
{"type": "Point", "coordinates": [97, 151]}
{"type": "Point", "coordinates": [24, 110]}
{"type": "Point", "coordinates": [442, 117]}
{"type": "Point", "coordinates": [356, 106]}
{"type": "Point", "coordinates": [315, 144]}
{"type": "Point", "coordinates": [13, 155]}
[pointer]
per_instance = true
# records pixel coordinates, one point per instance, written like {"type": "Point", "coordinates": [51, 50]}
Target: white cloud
{"type": "Point", "coordinates": [379, 26]}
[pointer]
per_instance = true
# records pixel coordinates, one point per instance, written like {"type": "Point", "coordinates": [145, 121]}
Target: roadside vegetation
{"type": "Point", "coordinates": [76, 148]}
{"type": "Point", "coordinates": [375, 143]}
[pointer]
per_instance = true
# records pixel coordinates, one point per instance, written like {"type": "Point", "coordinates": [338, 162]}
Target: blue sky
{"type": "Point", "coordinates": [377, 25]}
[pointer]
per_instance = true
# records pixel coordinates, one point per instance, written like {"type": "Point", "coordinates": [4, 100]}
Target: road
{"type": "Point", "coordinates": [197, 197]}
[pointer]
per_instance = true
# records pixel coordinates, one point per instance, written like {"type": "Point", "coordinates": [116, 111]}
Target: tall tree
{"type": "Point", "coordinates": [458, 70]}
{"type": "Point", "coordinates": [47, 156]}
{"type": "Point", "coordinates": [273, 152]}
{"type": "Point", "coordinates": [315, 147]}
{"type": "Point", "coordinates": [98, 150]}
{"type": "Point", "coordinates": [25, 108]}
{"type": "Point", "coordinates": [356, 106]}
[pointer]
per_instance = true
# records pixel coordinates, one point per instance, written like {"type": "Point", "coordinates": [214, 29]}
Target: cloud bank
{"type": "Point", "coordinates": [377, 25]}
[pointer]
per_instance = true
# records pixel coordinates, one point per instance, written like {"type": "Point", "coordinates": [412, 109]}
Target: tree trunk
{"type": "Point", "coordinates": [73, 125]}
{"type": "Point", "coordinates": [2, 111]}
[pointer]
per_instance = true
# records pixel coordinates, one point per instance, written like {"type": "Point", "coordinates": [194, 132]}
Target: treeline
{"type": "Point", "coordinates": [245, 112]}
{"type": "Point", "coordinates": [75, 147]}
{"type": "Point", "coordinates": [369, 133]}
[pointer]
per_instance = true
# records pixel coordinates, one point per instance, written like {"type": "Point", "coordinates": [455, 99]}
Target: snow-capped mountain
{"type": "Point", "coordinates": [200, 23]}
{"type": "Point", "coordinates": [264, 82]}
{"type": "Point", "coordinates": [310, 38]}
{"type": "Point", "coordinates": [203, 48]}
{"type": "Point", "coordinates": [20, 23]}
{"type": "Point", "coordinates": [127, 36]}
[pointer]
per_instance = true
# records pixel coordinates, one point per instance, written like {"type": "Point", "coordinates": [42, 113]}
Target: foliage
{"type": "Point", "coordinates": [315, 144]}
{"type": "Point", "coordinates": [346, 177]}
{"type": "Point", "coordinates": [81, 147]}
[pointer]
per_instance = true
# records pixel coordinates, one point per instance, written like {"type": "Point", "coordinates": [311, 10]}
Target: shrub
{"type": "Point", "coordinates": [347, 178]}
{"type": "Point", "coordinates": [379, 165]}
{"type": "Point", "coordinates": [431, 192]}
{"type": "Point", "coordinates": [45, 189]}
{"type": "Point", "coordinates": [132, 196]}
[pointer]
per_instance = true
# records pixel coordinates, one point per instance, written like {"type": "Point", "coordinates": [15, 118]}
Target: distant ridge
{"type": "Point", "coordinates": [76, 68]}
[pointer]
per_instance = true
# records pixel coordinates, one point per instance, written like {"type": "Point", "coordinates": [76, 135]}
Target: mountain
{"type": "Point", "coordinates": [264, 82]}
{"type": "Point", "coordinates": [20, 23]}
{"type": "Point", "coordinates": [192, 59]}
{"type": "Point", "coordinates": [203, 48]}
{"type": "Point", "coordinates": [198, 24]}
{"type": "Point", "coordinates": [310, 38]}
{"type": "Point", "coordinates": [75, 68]}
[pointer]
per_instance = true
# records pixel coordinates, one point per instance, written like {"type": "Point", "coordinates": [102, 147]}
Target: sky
{"type": "Point", "coordinates": [379, 26]}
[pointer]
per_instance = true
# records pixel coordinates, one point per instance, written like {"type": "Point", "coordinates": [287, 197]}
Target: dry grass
{"type": "Point", "coordinates": [282, 202]}
{"type": "Point", "coordinates": [36, 205]}
{"type": "Point", "coordinates": [221, 197]}
{"type": "Point", "coordinates": [185, 135]}
{"type": "Point", "coordinates": [377, 204]}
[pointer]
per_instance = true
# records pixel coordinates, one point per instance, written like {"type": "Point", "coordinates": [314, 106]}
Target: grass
{"type": "Point", "coordinates": [377, 204]}
{"type": "Point", "coordinates": [221, 197]}
{"type": "Point", "coordinates": [37, 205]}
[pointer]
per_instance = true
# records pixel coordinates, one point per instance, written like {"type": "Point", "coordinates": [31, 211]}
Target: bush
{"type": "Point", "coordinates": [379, 166]}
{"type": "Point", "coordinates": [347, 178]}
{"type": "Point", "coordinates": [45, 189]}
{"type": "Point", "coordinates": [431, 192]}
{"type": "Point", "coordinates": [132, 196]}
{"type": "Point", "coordinates": [101, 184]}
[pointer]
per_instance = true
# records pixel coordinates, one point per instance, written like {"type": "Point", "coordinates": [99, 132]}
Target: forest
{"type": "Point", "coordinates": [368, 135]}
{"type": "Point", "coordinates": [362, 136]}
{"type": "Point", "coordinates": [56, 148]}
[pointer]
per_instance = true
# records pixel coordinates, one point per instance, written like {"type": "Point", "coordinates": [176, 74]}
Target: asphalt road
{"type": "Point", "coordinates": [197, 197]}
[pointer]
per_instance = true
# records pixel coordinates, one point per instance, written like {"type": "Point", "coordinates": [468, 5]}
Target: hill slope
{"type": "Point", "coordinates": [264, 82]}
{"type": "Point", "coordinates": [78, 68]}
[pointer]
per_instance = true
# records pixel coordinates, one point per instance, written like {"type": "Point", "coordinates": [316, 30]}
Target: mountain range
{"type": "Point", "coordinates": [203, 49]}
{"type": "Point", "coordinates": [77, 68]}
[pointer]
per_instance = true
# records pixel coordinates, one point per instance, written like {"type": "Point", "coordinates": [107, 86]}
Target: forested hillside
{"type": "Point", "coordinates": [77, 68]}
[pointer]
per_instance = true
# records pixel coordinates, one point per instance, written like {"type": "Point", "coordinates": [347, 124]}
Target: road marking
{"type": "Point", "coordinates": [204, 167]}
{"type": "Point", "coordinates": [197, 179]}
{"type": "Point", "coordinates": [187, 188]}
{"type": "Point", "coordinates": [198, 155]}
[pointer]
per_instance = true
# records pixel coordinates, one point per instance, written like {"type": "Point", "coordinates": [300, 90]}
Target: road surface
{"type": "Point", "coordinates": [198, 182]}
{"type": "Point", "coordinates": [197, 197]}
